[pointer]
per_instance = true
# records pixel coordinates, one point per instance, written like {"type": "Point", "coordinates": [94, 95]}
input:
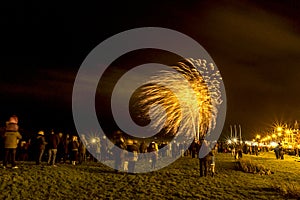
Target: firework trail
{"type": "Point", "coordinates": [189, 95]}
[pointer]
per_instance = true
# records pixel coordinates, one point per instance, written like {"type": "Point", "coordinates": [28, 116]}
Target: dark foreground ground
{"type": "Point", "coordinates": [180, 180]}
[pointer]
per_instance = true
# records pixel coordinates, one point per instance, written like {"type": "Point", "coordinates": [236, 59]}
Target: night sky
{"type": "Point", "coordinates": [255, 45]}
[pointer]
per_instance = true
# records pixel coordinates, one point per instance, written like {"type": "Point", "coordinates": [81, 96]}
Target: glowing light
{"type": "Point", "coordinates": [273, 144]}
{"type": "Point", "coordinates": [273, 135]}
{"type": "Point", "coordinates": [199, 90]}
{"type": "Point", "coordinates": [279, 129]}
{"type": "Point", "coordinates": [234, 140]}
{"type": "Point", "coordinates": [279, 134]}
{"type": "Point", "coordinates": [257, 136]}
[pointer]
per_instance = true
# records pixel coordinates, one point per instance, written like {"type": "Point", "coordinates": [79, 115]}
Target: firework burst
{"type": "Point", "coordinates": [189, 94]}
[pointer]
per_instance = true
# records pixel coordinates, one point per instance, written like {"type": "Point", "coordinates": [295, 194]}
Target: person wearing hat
{"type": "Point", "coordinates": [11, 139]}
{"type": "Point", "coordinates": [12, 124]}
{"type": "Point", "coordinates": [40, 147]}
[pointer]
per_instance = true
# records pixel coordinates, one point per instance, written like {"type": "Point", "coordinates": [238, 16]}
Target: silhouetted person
{"type": "Point", "coordinates": [153, 149]}
{"type": "Point", "coordinates": [132, 149]}
{"type": "Point", "coordinates": [204, 158]}
{"type": "Point", "coordinates": [118, 151]}
{"type": "Point", "coordinates": [60, 148]}
{"type": "Point", "coordinates": [52, 146]}
{"type": "Point", "coordinates": [143, 150]}
{"type": "Point", "coordinates": [82, 149]}
{"type": "Point", "coordinates": [40, 147]}
{"type": "Point", "coordinates": [66, 142]}
{"type": "Point", "coordinates": [74, 146]}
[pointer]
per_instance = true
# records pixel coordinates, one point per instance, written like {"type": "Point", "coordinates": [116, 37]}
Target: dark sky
{"type": "Point", "coordinates": [255, 45]}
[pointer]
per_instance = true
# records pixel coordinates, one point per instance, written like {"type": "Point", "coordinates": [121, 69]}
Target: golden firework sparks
{"type": "Point", "coordinates": [192, 82]}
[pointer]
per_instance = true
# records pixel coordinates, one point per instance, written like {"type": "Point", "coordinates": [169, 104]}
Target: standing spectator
{"type": "Point", "coordinates": [153, 149]}
{"type": "Point", "coordinates": [174, 149]}
{"type": "Point", "coordinates": [40, 147]}
{"type": "Point", "coordinates": [205, 158]}
{"type": "Point", "coordinates": [52, 148]}
{"type": "Point", "coordinates": [212, 155]}
{"type": "Point", "coordinates": [181, 149]}
{"type": "Point", "coordinates": [66, 142]}
{"type": "Point", "coordinates": [256, 150]}
{"type": "Point", "coordinates": [239, 151]}
{"type": "Point", "coordinates": [98, 149]}
{"type": "Point", "coordinates": [169, 150]}
{"type": "Point", "coordinates": [11, 139]}
{"type": "Point", "coordinates": [276, 151]}
{"type": "Point", "coordinates": [194, 148]}
{"type": "Point", "coordinates": [281, 152]}
{"type": "Point", "coordinates": [60, 148]}
{"type": "Point", "coordinates": [82, 149]}
{"type": "Point", "coordinates": [163, 150]}
{"type": "Point", "coordinates": [132, 149]}
{"type": "Point", "coordinates": [118, 151]}
{"type": "Point", "coordinates": [74, 149]}
{"type": "Point", "coordinates": [23, 156]}
{"type": "Point", "coordinates": [104, 148]}
{"type": "Point", "coordinates": [253, 149]}
{"type": "Point", "coordinates": [143, 150]}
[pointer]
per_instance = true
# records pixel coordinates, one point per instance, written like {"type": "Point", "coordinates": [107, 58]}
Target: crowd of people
{"type": "Point", "coordinates": [52, 148]}
{"type": "Point", "coordinates": [58, 148]}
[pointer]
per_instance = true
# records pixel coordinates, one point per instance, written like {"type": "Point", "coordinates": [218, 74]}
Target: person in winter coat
{"type": "Point", "coordinates": [11, 139]}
